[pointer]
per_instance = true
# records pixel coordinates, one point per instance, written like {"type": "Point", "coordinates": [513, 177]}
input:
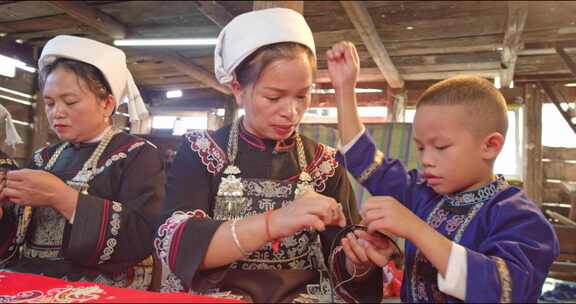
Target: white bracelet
{"type": "Point", "coordinates": [236, 240]}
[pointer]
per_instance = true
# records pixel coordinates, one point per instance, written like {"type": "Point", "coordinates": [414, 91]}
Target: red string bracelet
{"type": "Point", "coordinates": [275, 242]}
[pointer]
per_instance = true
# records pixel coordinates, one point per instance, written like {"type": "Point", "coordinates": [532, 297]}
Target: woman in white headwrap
{"type": "Point", "coordinates": [86, 208]}
{"type": "Point", "coordinates": [253, 208]}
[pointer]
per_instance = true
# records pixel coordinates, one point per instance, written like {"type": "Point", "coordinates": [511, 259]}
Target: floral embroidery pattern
{"type": "Point", "coordinates": [38, 159]}
{"type": "Point", "coordinates": [505, 280]}
{"type": "Point", "coordinates": [67, 294]}
{"type": "Point", "coordinates": [163, 245]}
{"type": "Point", "coordinates": [210, 154]}
{"type": "Point", "coordinates": [376, 163]}
{"type": "Point", "coordinates": [114, 228]}
{"type": "Point", "coordinates": [323, 167]}
{"type": "Point", "coordinates": [164, 239]}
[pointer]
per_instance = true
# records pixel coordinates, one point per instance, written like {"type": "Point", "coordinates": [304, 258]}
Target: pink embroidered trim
{"type": "Point", "coordinates": [210, 153]}
{"type": "Point", "coordinates": [168, 238]}
{"type": "Point", "coordinates": [323, 168]}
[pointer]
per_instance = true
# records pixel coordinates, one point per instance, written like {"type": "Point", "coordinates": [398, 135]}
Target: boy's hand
{"type": "Point", "coordinates": [387, 215]}
{"type": "Point", "coordinates": [343, 65]}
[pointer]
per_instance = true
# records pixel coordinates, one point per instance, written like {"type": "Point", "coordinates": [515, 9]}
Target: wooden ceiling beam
{"type": "Point", "coordinates": [567, 60]}
{"type": "Point", "coordinates": [114, 29]}
{"type": "Point", "coordinates": [215, 12]}
{"type": "Point", "coordinates": [515, 22]}
{"type": "Point", "coordinates": [295, 5]}
{"type": "Point", "coordinates": [375, 75]}
{"type": "Point", "coordinates": [92, 17]}
{"type": "Point", "coordinates": [363, 23]}
{"type": "Point", "coordinates": [185, 66]}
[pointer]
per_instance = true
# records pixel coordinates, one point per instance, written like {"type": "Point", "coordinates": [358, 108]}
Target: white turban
{"type": "Point", "coordinates": [250, 31]}
{"type": "Point", "coordinates": [109, 60]}
{"type": "Point", "coordinates": [12, 137]}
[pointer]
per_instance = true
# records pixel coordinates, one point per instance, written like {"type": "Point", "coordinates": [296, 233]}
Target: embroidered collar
{"type": "Point", "coordinates": [266, 144]}
{"type": "Point", "coordinates": [481, 195]}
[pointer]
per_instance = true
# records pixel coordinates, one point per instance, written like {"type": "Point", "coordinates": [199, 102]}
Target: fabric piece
{"type": "Point", "coordinates": [12, 136]}
{"type": "Point", "coordinates": [29, 288]}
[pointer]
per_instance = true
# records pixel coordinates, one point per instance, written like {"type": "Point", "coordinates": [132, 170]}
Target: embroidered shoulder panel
{"type": "Point", "coordinates": [322, 167]}
{"type": "Point", "coordinates": [118, 154]}
{"type": "Point", "coordinates": [211, 155]}
{"type": "Point", "coordinates": [38, 157]}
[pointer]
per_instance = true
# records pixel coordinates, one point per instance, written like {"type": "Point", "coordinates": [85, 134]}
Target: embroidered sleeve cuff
{"type": "Point", "coordinates": [455, 282]}
{"type": "Point", "coordinates": [94, 238]}
{"type": "Point", "coordinates": [344, 149]}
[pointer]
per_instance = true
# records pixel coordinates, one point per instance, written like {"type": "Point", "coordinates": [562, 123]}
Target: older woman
{"type": "Point", "coordinates": [252, 208]}
{"type": "Point", "coordinates": [85, 209]}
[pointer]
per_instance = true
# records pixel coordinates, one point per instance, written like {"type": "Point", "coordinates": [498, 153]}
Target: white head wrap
{"type": "Point", "coordinates": [12, 137]}
{"type": "Point", "coordinates": [109, 60]}
{"type": "Point", "coordinates": [250, 31]}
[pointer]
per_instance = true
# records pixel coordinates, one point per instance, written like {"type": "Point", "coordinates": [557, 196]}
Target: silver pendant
{"type": "Point", "coordinates": [302, 188]}
{"type": "Point", "coordinates": [231, 186]}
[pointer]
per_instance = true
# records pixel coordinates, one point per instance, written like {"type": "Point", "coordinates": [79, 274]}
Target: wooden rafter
{"type": "Point", "coordinates": [512, 40]}
{"type": "Point", "coordinates": [92, 17]}
{"type": "Point", "coordinates": [567, 60]}
{"type": "Point", "coordinates": [114, 29]}
{"type": "Point", "coordinates": [566, 113]}
{"type": "Point", "coordinates": [215, 12]}
{"type": "Point", "coordinates": [363, 23]}
{"type": "Point", "coordinates": [295, 5]}
{"type": "Point", "coordinates": [185, 66]}
{"type": "Point", "coordinates": [375, 75]}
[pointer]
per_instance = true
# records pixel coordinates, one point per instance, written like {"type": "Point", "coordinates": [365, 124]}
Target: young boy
{"type": "Point", "coordinates": [469, 235]}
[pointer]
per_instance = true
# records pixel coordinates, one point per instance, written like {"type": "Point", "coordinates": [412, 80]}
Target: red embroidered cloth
{"type": "Point", "coordinates": [28, 288]}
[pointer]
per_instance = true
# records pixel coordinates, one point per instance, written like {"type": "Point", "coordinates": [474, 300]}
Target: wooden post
{"type": "Point", "coordinates": [295, 5]}
{"type": "Point", "coordinates": [41, 127]}
{"type": "Point", "coordinates": [533, 172]}
{"type": "Point", "coordinates": [397, 104]}
{"type": "Point", "coordinates": [517, 15]}
{"type": "Point", "coordinates": [215, 12]}
{"type": "Point", "coordinates": [364, 25]}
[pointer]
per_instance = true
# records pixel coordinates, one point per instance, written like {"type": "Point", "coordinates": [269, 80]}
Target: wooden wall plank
{"type": "Point", "coordinates": [22, 82]}
{"type": "Point", "coordinates": [559, 153]}
{"type": "Point", "coordinates": [559, 170]}
{"type": "Point", "coordinates": [552, 193]}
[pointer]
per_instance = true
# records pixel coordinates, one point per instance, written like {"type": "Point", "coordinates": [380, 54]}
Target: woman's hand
{"type": "Point", "coordinates": [40, 188]}
{"type": "Point", "coordinates": [343, 65]}
{"type": "Point", "coordinates": [312, 210]}
{"type": "Point", "coordinates": [364, 250]}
